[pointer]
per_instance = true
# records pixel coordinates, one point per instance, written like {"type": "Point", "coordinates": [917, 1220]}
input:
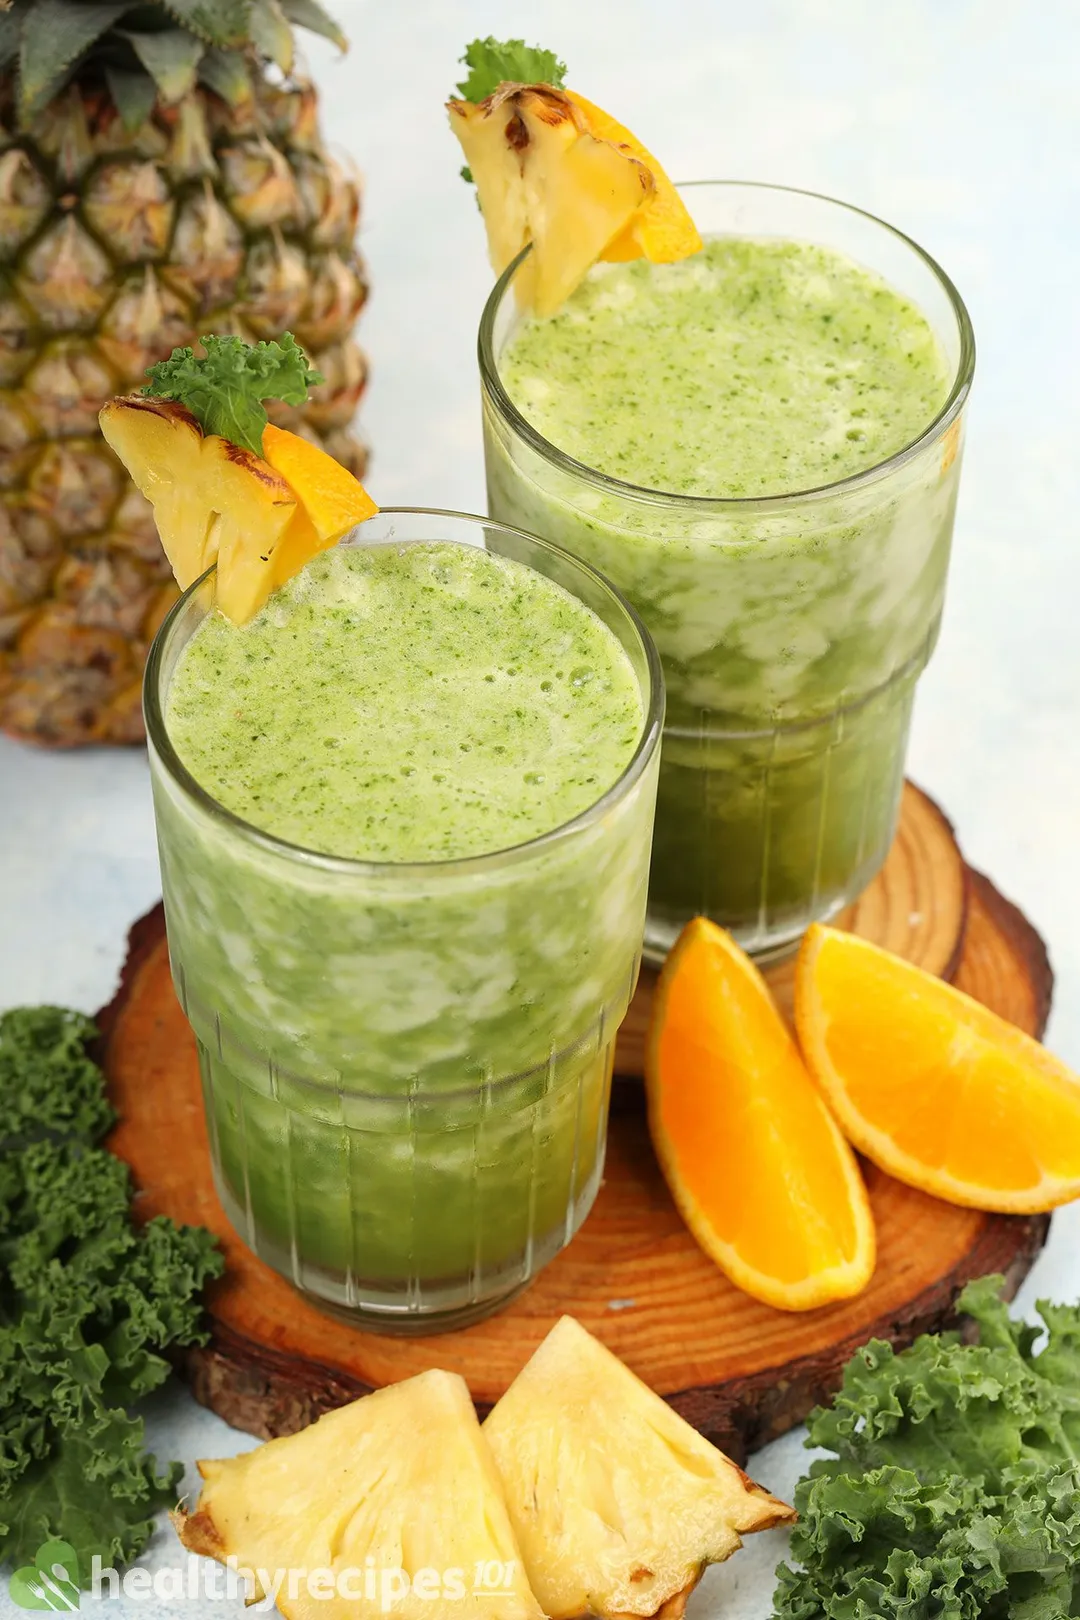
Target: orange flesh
{"type": "Point", "coordinates": [753, 1157]}
{"type": "Point", "coordinates": [933, 1086]}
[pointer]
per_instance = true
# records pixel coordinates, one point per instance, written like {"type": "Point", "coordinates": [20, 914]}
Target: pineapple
{"type": "Point", "coordinates": [161, 175]}
{"type": "Point", "coordinates": [556, 171]}
{"type": "Point", "coordinates": [541, 177]}
{"type": "Point", "coordinates": [226, 486]}
{"type": "Point", "coordinates": [617, 1502]}
{"type": "Point", "coordinates": [398, 1483]}
{"type": "Point", "coordinates": [208, 496]}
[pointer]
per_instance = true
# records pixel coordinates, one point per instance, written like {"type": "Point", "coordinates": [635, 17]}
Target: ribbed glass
{"type": "Point", "coordinates": [406, 1067]}
{"type": "Point", "coordinates": [792, 629]}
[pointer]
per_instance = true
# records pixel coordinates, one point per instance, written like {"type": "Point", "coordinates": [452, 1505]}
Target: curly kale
{"type": "Point", "coordinates": [47, 1080]}
{"type": "Point", "coordinates": [492, 62]}
{"type": "Point", "coordinates": [88, 1303]}
{"type": "Point", "coordinates": [225, 388]}
{"type": "Point", "coordinates": [954, 1488]}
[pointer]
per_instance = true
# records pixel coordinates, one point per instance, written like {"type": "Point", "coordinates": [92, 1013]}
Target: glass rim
{"type": "Point", "coordinates": [318, 860]}
{"type": "Point", "coordinates": [644, 494]}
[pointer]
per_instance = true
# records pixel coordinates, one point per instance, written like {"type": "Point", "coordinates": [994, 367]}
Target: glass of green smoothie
{"type": "Point", "coordinates": [404, 818]}
{"type": "Point", "coordinates": [760, 445]}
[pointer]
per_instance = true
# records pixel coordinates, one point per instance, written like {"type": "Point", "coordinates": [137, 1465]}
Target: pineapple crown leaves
{"type": "Point", "coordinates": [225, 388]}
{"type": "Point", "coordinates": [492, 62]}
{"type": "Point", "coordinates": [150, 50]}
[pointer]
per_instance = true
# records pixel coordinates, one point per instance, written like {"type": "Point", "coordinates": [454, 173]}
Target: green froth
{"type": "Point", "coordinates": [407, 703]}
{"type": "Point", "coordinates": [757, 367]}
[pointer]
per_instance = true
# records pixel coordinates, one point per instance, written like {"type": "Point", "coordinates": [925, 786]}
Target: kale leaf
{"type": "Point", "coordinates": [954, 1488]}
{"type": "Point", "coordinates": [47, 1081]}
{"type": "Point", "coordinates": [224, 389]}
{"type": "Point", "coordinates": [887, 1544]}
{"type": "Point", "coordinates": [492, 62]}
{"type": "Point", "coordinates": [88, 1303]}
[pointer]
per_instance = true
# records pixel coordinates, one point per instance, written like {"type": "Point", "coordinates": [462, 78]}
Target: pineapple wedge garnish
{"type": "Point", "coordinates": [227, 487]}
{"type": "Point", "coordinates": [661, 230]}
{"type": "Point", "coordinates": [392, 1502]}
{"type": "Point", "coordinates": [213, 501]}
{"type": "Point", "coordinates": [541, 177]}
{"type": "Point", "coordinates": [554, 170]}
{"type": "Point", "coordinates": [618, 1503]}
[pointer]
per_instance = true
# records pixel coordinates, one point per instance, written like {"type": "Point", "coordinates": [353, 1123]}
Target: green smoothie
{"type": "Point", "coordinates": [754, 368]}
{"type": "Point", "coordinates": [697, 403]}
{"type": "Point", "coordinates": [408, 703]}
{"type": "Point", "coordinates": [406, 1008]}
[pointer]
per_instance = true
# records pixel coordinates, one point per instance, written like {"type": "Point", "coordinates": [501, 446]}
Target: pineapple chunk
{"type": "Point", "coordinates": [259, 518]}
{"type": "Point", "coordinates": [617, 1502]}
{"type": "Point", "coordinates": [396, 1488]}
{"type": "Point", "coordinates": [212, 500]}
{"type": "Point", "coordinates": [543, 178]}
{"type": "Point", "coordinates": [662, 230]}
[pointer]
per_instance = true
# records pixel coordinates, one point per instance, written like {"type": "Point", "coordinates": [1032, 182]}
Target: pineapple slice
{"type": "Point", "coordinates": [260, 519]}
{"type": "Point", "coordinates": [391, 1502]}
{"type": "Point", "coordinates": [662, 229]}
{"type": "Point", "coordinates": [213, 501]}
{"type": "Point", "coordinates": [333, 499]}
{"type": "Point", "coordinates": [617, 1502]}
{"type": "Point", "coordinates": [542, 177]}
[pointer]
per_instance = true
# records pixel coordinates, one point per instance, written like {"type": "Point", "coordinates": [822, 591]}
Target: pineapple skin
{"type": "Point", "coordinates": [115, 247]}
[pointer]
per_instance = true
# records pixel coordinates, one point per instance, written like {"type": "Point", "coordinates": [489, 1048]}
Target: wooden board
{"type": "Point", "coordinates": [740, 1371]}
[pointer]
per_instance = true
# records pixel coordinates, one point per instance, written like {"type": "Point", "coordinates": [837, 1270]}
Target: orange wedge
{"type": "Point", "coordinates": [661, 229]}
{"type": "Point", "coordinates": [754, 1160]}
{"type": "Point", "coordinates": [931, 1085]}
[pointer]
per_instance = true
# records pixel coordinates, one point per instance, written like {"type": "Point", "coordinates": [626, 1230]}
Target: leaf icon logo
{"type": "Point", "coordinates": [51, 1582]}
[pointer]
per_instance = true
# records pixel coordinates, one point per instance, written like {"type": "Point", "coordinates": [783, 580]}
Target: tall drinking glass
{"type": "Point", "coordinates": [406, 1067]}
{"type": "Point", "coordinates": [792, 628]}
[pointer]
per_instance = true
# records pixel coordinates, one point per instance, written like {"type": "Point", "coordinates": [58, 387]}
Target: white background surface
{"type": "Point", "coordinates": [958, 122]}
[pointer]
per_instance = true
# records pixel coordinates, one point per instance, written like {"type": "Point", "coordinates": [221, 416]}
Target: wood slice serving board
{"type": "Point", "coordinates": [738, 1370]}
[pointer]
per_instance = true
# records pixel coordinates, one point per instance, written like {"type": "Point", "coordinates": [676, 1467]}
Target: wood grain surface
{"type": "Point", "coordinates": [740, 1371]}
